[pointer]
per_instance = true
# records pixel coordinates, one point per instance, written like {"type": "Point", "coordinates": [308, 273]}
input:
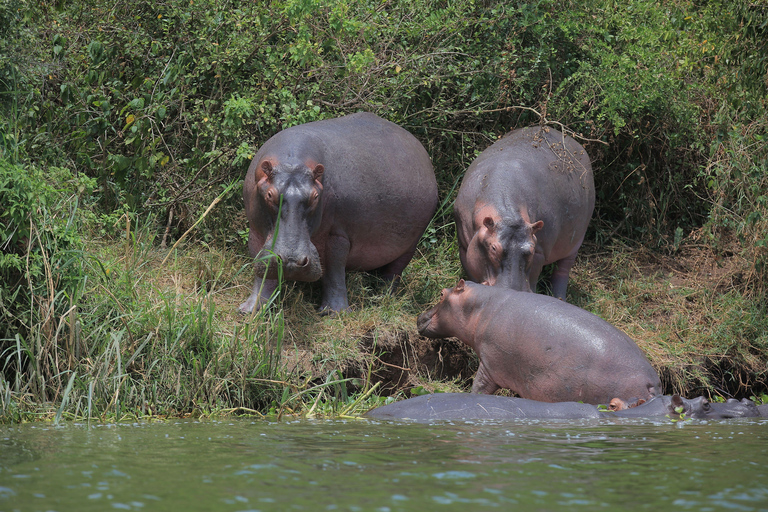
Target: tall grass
{"type": "Point", "coordinates": [147, 335]}
{"type": "Point", "coordinates": [129, 343]}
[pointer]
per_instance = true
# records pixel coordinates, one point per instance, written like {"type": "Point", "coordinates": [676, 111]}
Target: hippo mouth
{"type": "Point", "coordinates": [423, 322]}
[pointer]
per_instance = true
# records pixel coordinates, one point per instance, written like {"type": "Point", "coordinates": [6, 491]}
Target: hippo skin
{"type": "Point", "coordinates": [467, 406]}
{"type": "Point", "coordinates": [540, 347]}
{"type": "Point", "coordinates": [352, 193]}
{"type": "Point", "coordinates": [525, 202]}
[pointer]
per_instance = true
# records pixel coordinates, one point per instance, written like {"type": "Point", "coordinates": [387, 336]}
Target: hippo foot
{"type": "Point", "coordinates": [253, 305]}
{"type": "Point", "coordinates": [329, 311]}
{"type": "Point", "coordinates": [246, 307]}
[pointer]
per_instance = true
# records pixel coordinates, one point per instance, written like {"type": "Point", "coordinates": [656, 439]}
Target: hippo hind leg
{"type": "Point", "coordinates": [392, 271]}
{"type": "Point", "coordinates": [561, 275]}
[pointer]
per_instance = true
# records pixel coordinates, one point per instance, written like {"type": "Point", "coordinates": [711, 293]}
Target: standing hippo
{"type": "Point", "coordinates": [353, 193]}
{"type": "Point", "coordinates": [540, 347]}
{"type": "Point", "coordinates": [525, 202]}
{"type": "Point", "coordinates": [465, 406]}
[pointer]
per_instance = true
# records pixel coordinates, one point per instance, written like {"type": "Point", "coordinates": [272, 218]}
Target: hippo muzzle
{"type": "Point", "coordinates": [424, 322]}
{"type": "Point", "coordinates": [297, 265]}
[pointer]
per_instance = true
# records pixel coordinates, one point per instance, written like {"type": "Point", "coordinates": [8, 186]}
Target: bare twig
{"type": "Point", "coordinates": [210, 207]}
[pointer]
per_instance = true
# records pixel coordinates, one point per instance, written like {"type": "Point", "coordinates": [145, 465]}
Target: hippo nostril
{"type": "Point", "coordinates": [303, 262]}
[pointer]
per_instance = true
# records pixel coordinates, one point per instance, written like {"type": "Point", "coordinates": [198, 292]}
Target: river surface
{"type": "Point", "coordinates": [361, 465]}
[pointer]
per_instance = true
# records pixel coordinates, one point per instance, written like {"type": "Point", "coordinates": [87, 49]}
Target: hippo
{"type": "Point", "coordinates": [469, 406]}
{"type": "Point", "coordinates": [540, 347]}
{"type": "Point", "coordinates": [699, 408]}
{"type": "Point", "coordinates": [351, 193]}
{"type": "Point", "coordinates": [525, 202]}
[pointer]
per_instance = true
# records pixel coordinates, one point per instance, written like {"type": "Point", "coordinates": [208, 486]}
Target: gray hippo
{"type": "Point", "coordinates": [468, 406]}
{"type": "Point", "coordinates": [352, 193]}
{"type": "Point", "coordinates": [540, 347]}
{"type": "Point", "coordinates": [525, 202]}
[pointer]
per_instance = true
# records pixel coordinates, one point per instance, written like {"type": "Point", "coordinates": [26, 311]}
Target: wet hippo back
{"type": "Point", "coordinates": [470, 406]}
{"type": "Point", "coordinates": [466, 406]}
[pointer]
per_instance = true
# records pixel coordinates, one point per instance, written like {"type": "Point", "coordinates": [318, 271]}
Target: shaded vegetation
{"type": "Point", "coordinates": [123, 123]}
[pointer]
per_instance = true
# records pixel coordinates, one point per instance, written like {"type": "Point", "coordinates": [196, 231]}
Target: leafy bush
{"type": "Point", "coordinates": [40, 250]}
{"type": "Point", "coordinates": [162, 103]}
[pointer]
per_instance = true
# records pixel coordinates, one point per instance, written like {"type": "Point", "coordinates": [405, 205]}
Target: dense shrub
{"type": "Point", "coordinates": [164, 104]}
{"type": "Point", "coordinates": [40, 250]}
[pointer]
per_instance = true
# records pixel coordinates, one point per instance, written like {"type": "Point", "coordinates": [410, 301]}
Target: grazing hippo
{"type": "Point", "coordinates": [525, 202]}
{"type": "Point", "coordinates": [540, 347]}
{"type": "Point", "coordinates": [353, 193]}
{"type": "Point", "coordinates": [466, 406]}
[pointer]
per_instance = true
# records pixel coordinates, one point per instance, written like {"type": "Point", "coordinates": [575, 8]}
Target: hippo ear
{"type": "Point", "coordinates": [267, 169]}
{"type": "Point", "coordinates": [317, 173]}
{"type": "Point", "coordinates": [536, 226]}
{"type": "Point", "coordinates": [459, 286]}
{"type": "Point", "coordinates": [488, 223]}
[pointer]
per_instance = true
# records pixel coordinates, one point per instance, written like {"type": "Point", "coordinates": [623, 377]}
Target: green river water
{"type": "Point", "coordinates": [361, 465]}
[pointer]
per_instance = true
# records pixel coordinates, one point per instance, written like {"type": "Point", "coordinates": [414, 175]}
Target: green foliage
{"type": "Point", "coordinates": [737, 182]}
{"type": "Point", "coordinates": [159, 103]}
{"type": "Point", "coordinates": [40, 249]}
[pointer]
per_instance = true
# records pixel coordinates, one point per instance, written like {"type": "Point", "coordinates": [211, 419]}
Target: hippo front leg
{"type": "Point", "coordinates": [334, 276]}
{"type": "Point", "coordinates": [483, 384]}
{"type": "Point", "coordinates": [260, 295]}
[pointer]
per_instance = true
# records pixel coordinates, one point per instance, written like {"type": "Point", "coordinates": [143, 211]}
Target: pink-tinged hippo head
{"type": "Point", "coordinates": [432, 322]}
{"type": "Point", "coordinates": [451, 315]}
{"type": "Point", "coordinates": [501, 251]}
{"type": "Point", "coordinates": [288, 197]}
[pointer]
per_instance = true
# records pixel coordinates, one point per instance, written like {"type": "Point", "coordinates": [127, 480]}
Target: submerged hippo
{"type": "Point", "coordinates": [698, 407]}
{"type": "Point", "coordinates": [525, 202]}
{"type": "Point", "coordinates": [353, 193]}
{"type": "Point", "coordinates": [466, 406]}
{"type": "Point", "coordinates": [540, 347]}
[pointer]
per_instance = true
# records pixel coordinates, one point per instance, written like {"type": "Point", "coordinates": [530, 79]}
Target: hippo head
{"type": "Point", "coordinates": [701, 408]}
{"type": "Point", "coordinates": [501, 252]}
{"type": "Point", "coordinates": [436, 322]}
{"type": "Point", "coordinates": [288, 197]}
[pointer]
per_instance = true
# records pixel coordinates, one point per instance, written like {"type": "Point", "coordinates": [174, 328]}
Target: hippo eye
{"type": "Point", "coordinates": [706, 406]}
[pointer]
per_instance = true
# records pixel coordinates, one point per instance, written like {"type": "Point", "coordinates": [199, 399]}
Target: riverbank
{"type": "Point", "coordinates": [126, 131]}
{"type": "Point", "coordinates": [159, 336]}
